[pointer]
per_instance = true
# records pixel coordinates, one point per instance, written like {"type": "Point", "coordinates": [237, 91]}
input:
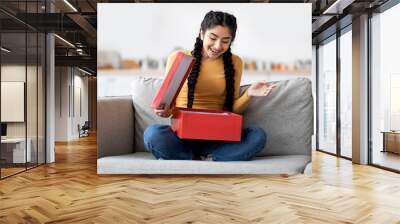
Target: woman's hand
{"type": "Point", "coordinates": [260, 88]}
{"type": "Point", "coordinates": [166, 112]}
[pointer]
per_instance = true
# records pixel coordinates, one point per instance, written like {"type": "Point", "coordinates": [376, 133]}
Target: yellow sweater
{"type": "Point", "coordinates": [210, 87]}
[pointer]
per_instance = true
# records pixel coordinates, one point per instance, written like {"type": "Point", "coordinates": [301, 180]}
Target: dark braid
{"type": "Point", "coordinates": [229, 79]}
{"type": "Point", "coordinates": [211, 20]}
{"type": "Point", "coordinates": [194, 74]}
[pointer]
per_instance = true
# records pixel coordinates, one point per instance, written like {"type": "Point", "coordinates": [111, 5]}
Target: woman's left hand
{"type": "Point", "coordinates": [260, 88]}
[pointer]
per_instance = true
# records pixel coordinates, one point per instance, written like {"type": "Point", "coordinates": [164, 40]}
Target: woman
{"type": "Point", "coordinates": [213, 83]}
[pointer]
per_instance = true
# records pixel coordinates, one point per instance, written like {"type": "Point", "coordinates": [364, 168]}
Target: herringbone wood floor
{"type": "Point", "coordinates": [70, 191]}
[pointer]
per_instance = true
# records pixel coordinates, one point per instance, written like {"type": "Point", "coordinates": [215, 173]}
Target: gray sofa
{"type": "Point", "coordinates": [286, 115]}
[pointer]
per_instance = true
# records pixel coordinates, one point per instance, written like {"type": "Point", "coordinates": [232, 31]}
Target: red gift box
{"type": "Point", "coordinates": [194, 123]}
{"type": "Point", "coordinates": [207, 124]}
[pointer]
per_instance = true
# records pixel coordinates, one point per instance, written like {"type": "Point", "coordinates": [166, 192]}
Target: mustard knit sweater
{"type": "Point", "coordinates": [210, 87]}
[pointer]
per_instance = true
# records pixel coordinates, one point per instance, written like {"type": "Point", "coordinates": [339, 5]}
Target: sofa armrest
{"type": "Point", "coordinates": [115, 126]}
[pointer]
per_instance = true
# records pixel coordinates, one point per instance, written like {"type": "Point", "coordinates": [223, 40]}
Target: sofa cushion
{"type": "Point", "coordinates": [145, 163]}
{"type": "Point", "coordinates": [286, 115]}
{"type": "Point", "coordinates": [143, 91]}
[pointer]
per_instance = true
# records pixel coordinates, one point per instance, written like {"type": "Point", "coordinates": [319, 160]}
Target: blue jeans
{"type": "Point", "coordinates": [163, 143]}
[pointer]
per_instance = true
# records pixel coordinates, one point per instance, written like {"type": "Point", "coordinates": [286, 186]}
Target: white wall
{"type": "Point", "coordinates": [33, 126]}
{"type": "Point", "coordinates": [14, 73]}
{"type": "Point", "coordinates": [278, 32]}
{"type": "Point", "coordinates": [62, 80]}
{"type": "Point", "coordinates": [17, 73]}
{"type": "Point", "coordinates": [67, 80]}
{"type": "Point", "coordinates": [79, 117]}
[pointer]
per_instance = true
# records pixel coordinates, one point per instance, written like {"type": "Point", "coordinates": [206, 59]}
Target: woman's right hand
{"type": "Point", "coordinates": [165, 112]}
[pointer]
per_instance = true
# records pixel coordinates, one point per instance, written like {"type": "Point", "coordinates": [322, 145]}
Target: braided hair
{"type": "Point", "coordinates": [212, 19]}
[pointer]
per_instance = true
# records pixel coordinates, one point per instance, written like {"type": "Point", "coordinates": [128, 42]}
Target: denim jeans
{"type": "Point", "coordinates": [163, 143]}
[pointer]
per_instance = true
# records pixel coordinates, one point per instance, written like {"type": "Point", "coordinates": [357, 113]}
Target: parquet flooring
{"type": "Point", "coordinates": [10, 171]}
{"type": "Point", "coordinates": [70, 191]}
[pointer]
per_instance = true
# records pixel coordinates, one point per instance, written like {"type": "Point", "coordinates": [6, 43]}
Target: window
{"type": "Point", "coordinates": [327, 97]}
{"type": "Point", "coordinates": [346, 94]}
{"type": "Point", "coordinates": [385, 88]}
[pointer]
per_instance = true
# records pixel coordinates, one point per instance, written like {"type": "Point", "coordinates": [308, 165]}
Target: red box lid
{"type": "Point", "coordinates": [173, 82]}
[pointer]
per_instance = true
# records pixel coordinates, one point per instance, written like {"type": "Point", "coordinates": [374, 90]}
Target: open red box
{"type": "Point", "coordinates": [207, 124]}
{"type": "Point", "coordinates": [195, 123]}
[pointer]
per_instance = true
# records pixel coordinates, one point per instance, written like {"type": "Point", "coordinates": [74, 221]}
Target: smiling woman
{"type": "Point", "coordinates": [216, 41]}
{"type": "Point", "coordinates": [213, 83]}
